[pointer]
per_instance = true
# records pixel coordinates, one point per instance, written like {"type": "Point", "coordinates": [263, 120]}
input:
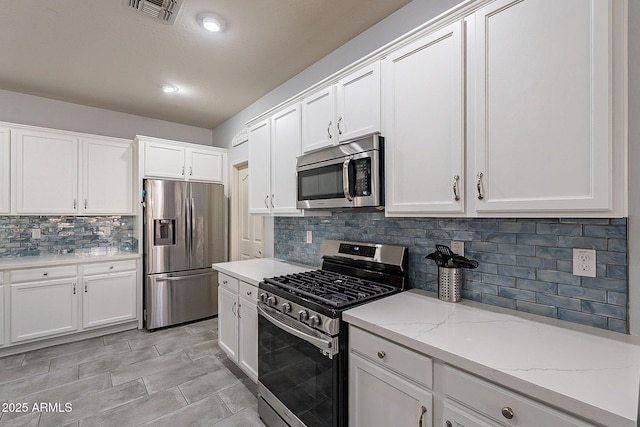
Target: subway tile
{"type": "Point", "coordinates": [554, 253]}
{"type": "Point", "coordinates": [537, 286]}
{"type": "Point", "coordinates": [495, 279]}
{"type": "Point", "coordinates": [582, 293]}
{"type": "Point", "coordinates": [525, 250]}
{"type": "Point", "coordinates": [615, 285]}
{"type": "Point", "coordinates": [539, 309]}
{"type": "Point", "coordinates": [617, 298]}
{"type": "Point", "coordinates": [528, 261]}
{"type": "Point", "coordinates": [617, 245]}
{"type": "Point", "coordinates": [482, 247]}
{"type": "Point", "coordinates": [537, 239]}
{"type": "Point", "coordinates": [484, 288]}
{"type": "Point", "coordinates": [611, 231]}
{"type": "Point", "coordinates": [498, 301]}
{"type": "Point", "coordinates": [616, 272]}
{"type": "Point", "coordinates": [558, 277]}
{"type": "Point", "coordinates": [499, 237]}
{"type": "Point", "coordinates": [559, 229]}
{"type": "Point", "coordinates": [522, 272]}
{"type": "Point", "coordinates": [583, 318]}
{"type": "Point", "coordinates": [517, 294]}
{"type": "Point", "coordinates": [582, 242]}
{"type": "Point", "coordinates": [559, 301]}
{"type": "Point", "coordinates": [618, 325]}
{"type": "Point", "coordinates": [607, 310]}
{"type": "Point", "coordinates": [517, 227]}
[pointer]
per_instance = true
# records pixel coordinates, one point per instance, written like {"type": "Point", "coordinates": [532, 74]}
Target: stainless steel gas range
{"type": "Point", "coordinates": [302, 341]}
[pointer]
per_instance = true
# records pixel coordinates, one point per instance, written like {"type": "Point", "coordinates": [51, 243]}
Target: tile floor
{"type": "Point", "coordinates": [171, 377]}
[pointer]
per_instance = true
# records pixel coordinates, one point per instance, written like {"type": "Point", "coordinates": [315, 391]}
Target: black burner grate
{"type": "Point", "coordinates": [333, 289]}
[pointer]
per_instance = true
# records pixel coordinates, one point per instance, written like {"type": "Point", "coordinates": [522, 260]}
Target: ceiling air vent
{"type": "Point", "coordinates": [163, 10]}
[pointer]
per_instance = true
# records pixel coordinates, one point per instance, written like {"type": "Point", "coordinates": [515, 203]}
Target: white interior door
{"type": "Point", "coordinates": [248, 229]}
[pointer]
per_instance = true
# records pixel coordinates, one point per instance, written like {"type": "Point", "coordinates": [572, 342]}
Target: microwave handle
{"type": "Point", "coordinates": [345, 180]}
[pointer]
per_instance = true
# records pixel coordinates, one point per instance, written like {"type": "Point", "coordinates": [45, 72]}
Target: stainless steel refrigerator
{"type": "Point", "coordinates": [183, 236]}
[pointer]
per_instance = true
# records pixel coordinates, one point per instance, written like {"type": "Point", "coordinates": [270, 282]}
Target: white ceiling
{"type": "Point", "coordinates": [101, 54]}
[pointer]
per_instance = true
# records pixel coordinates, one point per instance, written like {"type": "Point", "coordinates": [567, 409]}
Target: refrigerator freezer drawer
{"type": "Point", "coordinates": [174, 298]}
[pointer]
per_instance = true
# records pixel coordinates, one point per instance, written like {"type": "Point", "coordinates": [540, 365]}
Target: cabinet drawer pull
{"type": "Point", "coordinates": [224, 282]}
{"type": "Point", "coordinates": [448, 423]}
{"type": "Point", "coordinates": [85, 288]}
{"type": "Point", "coordinates": [479, 186]}
{"type": "Point", "coordinates": [182, 171]}
{"type": "Point", "coordinates": [339, 121]}
{"type": "Point", "coordinates": [45, 274]}
{"type": "Point", "coordinates": [190, 170]}
{"type": "Point", "coordinates": [507, 412]}
{"type": "Point", "coordinates": [456, 195]}
{"type": "Point", "coordinates": [424, 411]}
{"type": "Point", "coordinates": [248, 293]}
{"type": "Point", "coordinates": [265, 201]}
{"type": "Point", "coordinates": [329, 129]}
{"type": "Point", "coordinates": [381, 354]}
{"type": "Point", "coordinates": [273, 196]}
{"type": "Point", "coordinates": [75, 204]}
{"type": "Point", "coordinates": [233, 309]}
{"type": "Point", "coordinates": [74, 288]}
{"type": "Point", "coordinates": [85, 203]}
{"type": "Point", "coordinates": [111, 267]}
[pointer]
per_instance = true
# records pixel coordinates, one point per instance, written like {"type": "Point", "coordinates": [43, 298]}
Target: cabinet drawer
{"type": "Point", "coordinates": [109, 267]}
{"type": "Point", "coordinates": [228, 282]}
{"type": "Point", "coordinates": [409, 363]}
{"type": "Point", "coordinates": [45, 273]}
{"type": "Point", "coordinates": [248, 292]}
{"type": "Point", "coordinates": [500, 404]}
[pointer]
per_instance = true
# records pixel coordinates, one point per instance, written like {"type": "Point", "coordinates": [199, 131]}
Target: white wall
{"type": "Point", "coordinates": [37, 111]}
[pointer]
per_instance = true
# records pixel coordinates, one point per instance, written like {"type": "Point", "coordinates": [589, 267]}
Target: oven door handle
{"type": "Point", "coordinates": [329, 347]}
{"type": "Point", "coordinates": [345, 179]}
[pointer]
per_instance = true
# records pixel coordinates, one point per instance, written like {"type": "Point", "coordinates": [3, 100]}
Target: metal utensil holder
{"type": "Point", "coordinates": [449, 283]}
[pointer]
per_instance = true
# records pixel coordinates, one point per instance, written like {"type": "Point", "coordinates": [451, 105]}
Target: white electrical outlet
{"type": "Point", "coordinates": [584, 262]}
{"type": "Point", "coordinates": [309, 236]}
{"type": "Point", "coordinates": [457, 247]}
{"type": "Point", "coordinates": [35, 233]}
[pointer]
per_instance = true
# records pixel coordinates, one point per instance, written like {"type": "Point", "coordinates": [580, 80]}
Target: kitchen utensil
{"type": "Point", "coordinates": [440, 260]}
{"type": "Point", "coordinates": [462, 262]}
{"type": "Point", "coordinates": [444, 250]}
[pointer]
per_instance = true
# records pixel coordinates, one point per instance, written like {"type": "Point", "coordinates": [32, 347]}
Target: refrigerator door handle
{"type": "Point", "coordinates": [187, 228]}
{"type": "Point", "coordinates": [193, 222]}
{"type": "Point", "coordinates": [177, 278]}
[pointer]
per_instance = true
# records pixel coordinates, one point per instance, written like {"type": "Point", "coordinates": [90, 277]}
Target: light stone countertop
{"type": "Point", "coordinates": [253, 271]}
{"type": "Point", "coordinates": [10, 263]}
{"type": "Point", "coordinates": [592, 373]}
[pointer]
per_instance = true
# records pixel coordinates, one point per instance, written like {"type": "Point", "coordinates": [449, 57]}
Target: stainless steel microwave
{"type": "Point", "coordinates": [349, 175]}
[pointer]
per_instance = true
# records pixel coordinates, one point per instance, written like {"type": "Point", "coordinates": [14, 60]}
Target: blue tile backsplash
{"type": "Point", "coordinates": [525, 264]}
{"type": "Point", "coordinates": [66, 235]}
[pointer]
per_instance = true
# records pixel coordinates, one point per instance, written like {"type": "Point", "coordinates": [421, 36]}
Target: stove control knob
{"type": "Point", "coordinates": [314, 321]}
{"type": "Point", "coordinates": [286, 307]}
{"type": "Point", "coordinates": [263, 297]}
{"type": "Point", "coordinates": [303, 315]}
{"type": "Point", "coordinates": [272, 301]}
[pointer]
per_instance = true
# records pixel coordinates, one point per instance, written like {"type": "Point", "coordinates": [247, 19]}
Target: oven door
{"type": "Point", "coordinates": [298, 373]}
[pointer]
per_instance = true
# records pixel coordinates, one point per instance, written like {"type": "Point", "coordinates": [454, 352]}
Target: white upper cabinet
{"type": "Point", "coordinates": [181, 161]}
{"type": "Point", "coordinates": [163, 160]}
{"type": "Point", "coordinates": [543, 133]}
{"type": "Point", "coordinates": [5, 170]}
{"type": "Point", "coordinates": [107, 170]}
{"type": "Point", "coordinates": [344, 111]}
{"type": "Point", "coordinates": [359, 103]}
{"type": "Point", "coordinates": [45, 172]}
{"type": "Point", "coordinates": [285, 147]}
{"type": "Point", "coordinates": [260, 168]}
{"type": "Point", "coordinates": [204, 165]}
{"type": "Point", "coordinates": [424, 125]}
{"type": "Point", "coordinates": [274, 144]}
{"type": "Point", "coordinates": [319, 119]}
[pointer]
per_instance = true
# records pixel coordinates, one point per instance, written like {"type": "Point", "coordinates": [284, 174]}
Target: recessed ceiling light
{"type": "Point", "coordinates": [211, 22]}
{"type": "Point", "coordinates": [169, 89]}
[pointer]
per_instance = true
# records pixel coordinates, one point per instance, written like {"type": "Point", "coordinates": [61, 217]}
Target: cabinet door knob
{"type": "Point", "coordinates": [381, 354]}
{"type": "Point", "coordinates": [45, 274]}
{"type": "Point", "coordinates": [111, 267]}
{"type": "Point", "coordinates": [507, 412]}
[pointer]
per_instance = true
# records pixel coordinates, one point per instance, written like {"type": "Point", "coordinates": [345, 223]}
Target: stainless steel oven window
{"type": "Point", "coordinates": [299, 374]}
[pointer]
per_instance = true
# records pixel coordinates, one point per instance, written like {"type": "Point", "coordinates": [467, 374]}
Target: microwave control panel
{"type": "Point", "coordinates": [362, 172]}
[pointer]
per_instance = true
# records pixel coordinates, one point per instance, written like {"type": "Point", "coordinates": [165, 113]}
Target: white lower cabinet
{"type": "Point", "coordinates": [392, 385]}
{"type": "Point", "coordinates": [456, 416]}
{"type": "Point", "coordinates": [109, 294]}
{"type": "Point", "coordinates": [44, 308]}
{"type": "Point", "coordinates": [238, 323]}
{"type": "Point", "coordinates": [47, 302]}
{"type": "Point", "coordinates": [389, 385]}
